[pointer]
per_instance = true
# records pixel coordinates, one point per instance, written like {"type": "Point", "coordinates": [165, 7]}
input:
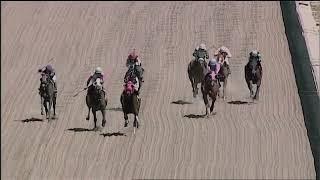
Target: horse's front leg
{"type": "Point", "coordinates": [225, 88]}
{"type": "Point", "coordinates": [41, 102]}
{"type": "Point", "coordinates": [136, 121]}
{"type": "Point", "coordinates": [94, 118]}
{"type": "Point", "coordinates": [206, 103]}
{"type": "Point", "coordinates": [249, 83]}
{"type": "Point", "coordinates": [194, 86]}
{"type": "Point", "coordinates": [256, 96]}
{"type": "Point", "coordinates": [49, 109]}
{"type": "Point", "coordinates": [126, 121]}
{"type": "Point", "coordinates": [103, 111]}
{"type": "Point", "coordinates": [54, 105]}
{"type": "Point", "coordinates": [214, 98]}
{"type": "Point", "coordinates": [46, 108]}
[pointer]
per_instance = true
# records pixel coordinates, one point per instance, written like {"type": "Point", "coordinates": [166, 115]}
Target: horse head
{"type": "Point", "coordinates": [98, 84]}
{"type": "Point", "coordinates": [253, 66]}
{"type": "Point", "coordinates": [221, 57]}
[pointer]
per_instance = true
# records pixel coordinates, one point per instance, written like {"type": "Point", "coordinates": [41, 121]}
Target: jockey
{"type": "Point", "coordinates": [97, 74]}
{"type": "Point", "coordinates": [224, 51]}
{"type": "Point", "coordinates": [201, 52]}
{"type": "Point", "coordinates": [133, 59]}
{"type": "Point", "coordinates": [214, 68]}
{"type": "Point", "coordinates": [134, 79]}
{"type": "Point", "coordinates": [48, 69]}
{"type": "Point", "coordinates": [255, 54]}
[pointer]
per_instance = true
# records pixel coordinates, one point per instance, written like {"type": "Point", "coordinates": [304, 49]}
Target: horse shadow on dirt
{"type": "Point", "coordinates": [181, 102]}
{"type": "Point", "coordinates": [30, 120]}
{"type": "Point", "coordinates": [115, 109]}
{"type": "Point", "coordinates": [113, 134]}
{"type": "Point", "coordinates": [82, 129]}
{"type": "Point", "coordinates": [195, 116]}
{"type": "Point", "coordinates": [240, 102]}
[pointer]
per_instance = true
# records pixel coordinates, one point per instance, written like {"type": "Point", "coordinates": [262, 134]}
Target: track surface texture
{"type": "Point", "coordinates": [266, 139]}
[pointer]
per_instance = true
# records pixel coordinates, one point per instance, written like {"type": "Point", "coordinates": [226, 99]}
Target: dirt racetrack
{"type": "Point", "coordinates": [266, 139]}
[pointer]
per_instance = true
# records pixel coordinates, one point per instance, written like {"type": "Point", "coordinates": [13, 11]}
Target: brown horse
{"type": "Point", "coordinates": [253, 75]}
{"type": "Point", "coordinates": [196, 72]}
{"type": "Point", "coordinates": [47, 95]}
{"type": "Point", "coordinates": [209, 88]}
{"type": "Point", "coordinates": [130, 104]}
{"type": "Point", "coordinates": [97, 101]}
{"type": "Point", "coordinates": [223, 74]}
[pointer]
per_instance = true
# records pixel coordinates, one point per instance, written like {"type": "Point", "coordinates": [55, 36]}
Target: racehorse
{"type": "Point", "coordinates": [253, 75]}
{"type": "Point", "coordinates": [47, 95]}
{"type": "Point", "coordinates": [196, 72]}
{"type": "Point", "coordinates": [223, 74]}
{"type": "Point", "coordinates": [209, 87]}
{"type": "Point", "coordinates": [130, 104]}
{"type": "Point", "coordinates": [97, 101]}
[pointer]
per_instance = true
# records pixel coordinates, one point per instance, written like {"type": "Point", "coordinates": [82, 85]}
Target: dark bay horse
{"type": "Point", "coordinates": [223, 74]}
{"type": "Point", "coordinates": [253, 75]}
{"type": "Point", "coordinates": [97, 101]}
{"type": "Point", "coordinates": [209, 87]}
{"type": "Point", "coordinates": [130, 104]}
{"type": "Point", "coordinates": [197, 69]}
{"type": "Point", "coordinates": [47, 95]}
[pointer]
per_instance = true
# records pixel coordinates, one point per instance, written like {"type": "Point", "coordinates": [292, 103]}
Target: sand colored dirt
{"type": "Point", "coordinates": [267, 139]}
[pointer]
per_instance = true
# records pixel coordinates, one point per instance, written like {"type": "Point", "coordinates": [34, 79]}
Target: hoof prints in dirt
{"type": "Point", "coordinates": [180, 102]}
{"type": "Point", "coordinates": [113, 134]}
{"type": "Point", "coordinates": [196, 116]}
{"type": "Point", "coordinates": [31, 120]}
{"type": "Point", "coordinates": [238, 102]}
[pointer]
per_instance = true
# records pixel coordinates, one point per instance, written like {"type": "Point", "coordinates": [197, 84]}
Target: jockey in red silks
{"type": "Point", "coordinates": [133, 59]}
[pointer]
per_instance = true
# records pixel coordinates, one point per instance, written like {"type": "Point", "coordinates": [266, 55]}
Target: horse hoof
{"type": "Point", "coordinates": [87, 118]}
{"type": "Point", "coordinates": [42, 113]}
{"type": "Point", "coordinates": [103, 123]}
{"type": "Point", "coordinates": [125, 124]}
